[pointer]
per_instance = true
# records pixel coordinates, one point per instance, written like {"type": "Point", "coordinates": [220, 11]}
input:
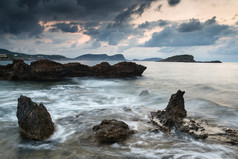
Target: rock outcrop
{"type": "Point", "coordinates": [46, 70]}
{"type": "Point", "coordinates": [174, 116]}
{"type": "Point", "coordinates": [34, 120]}
{"type": "Point", "coordinates": [144, 93]}
{"type": "Point", "coordinates": [111, 131]}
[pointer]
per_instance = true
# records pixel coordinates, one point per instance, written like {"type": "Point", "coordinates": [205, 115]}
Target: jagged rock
{"type": "Point", "coordinates": [175, 107]}
{"type": "Point", "coordinates": [46, 70]}
{"type": "Point", "coordinates": [18, 70]}
{"type": "Point", "coordinates": [173, 113]}
{"type": "Point", "coordinates": [174, 116]}
{"type": "Point", "coordinates": [34, 120]}
{"type": "Point", "coordinates": [111, 131]}
{"type": "Point", "coordinates": [144, 93]}
{"type": "Point", "coordinates": [202, 130]}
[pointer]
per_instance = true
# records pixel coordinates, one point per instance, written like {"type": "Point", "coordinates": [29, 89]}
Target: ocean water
{"type": "Point", "coordinates": [77, 104]}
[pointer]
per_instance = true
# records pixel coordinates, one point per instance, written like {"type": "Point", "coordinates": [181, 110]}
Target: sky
{"type": "Point", "coordinates": [206, 29]}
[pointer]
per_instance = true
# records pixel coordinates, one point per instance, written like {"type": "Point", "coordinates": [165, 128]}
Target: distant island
{"type": "Point", "coordinates": [149, 59]}
{"type": "Point", "coordinates": [6, 55]}
{"type": "Point", "coordinates": [186, 58]}
{"type": "Point", "coordinates": [101, 57]}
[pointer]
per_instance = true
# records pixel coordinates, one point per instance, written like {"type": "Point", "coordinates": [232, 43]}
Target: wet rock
{"type": "Point", "coordinates": [111, 131]}
{"type": "Point", "coordinates": [18, 70]}
{"type": "Point", "coordinates": [194, 127]}
{"type": "Point", "coordinates": [34, 120]}
{"type": "Point", "coordinates": [174, 116]}
{"type": "Point", "coordinates": [175, 107]}
{"type": "Point", "coordinates": [47, 70]}
{"type": "Point", "coordinates": [144, 93]}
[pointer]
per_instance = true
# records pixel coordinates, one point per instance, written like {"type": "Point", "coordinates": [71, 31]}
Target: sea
{"type": "Point", "coordinates": [77, 104]}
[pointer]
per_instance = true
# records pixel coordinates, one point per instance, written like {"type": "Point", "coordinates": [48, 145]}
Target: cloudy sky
{"type": "Point", "coordinates": [207, 29]}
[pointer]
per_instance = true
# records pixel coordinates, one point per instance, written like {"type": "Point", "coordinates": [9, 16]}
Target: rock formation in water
{"type": "Point", "coordinates": [46, 70]}
{"type": "Point", "coordinates": [185, 58]}
{"type": "Point", "coordinates": [174, 116]}
{"type": "Point", "coordinates": [34, 120]}
{"type": "Point", "coordinates": [111, 131]}
{"type": "Point", "coordinates": [144, 93]}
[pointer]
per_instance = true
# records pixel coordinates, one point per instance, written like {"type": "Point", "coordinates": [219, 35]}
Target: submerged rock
{"type": "Point", "coordinates": [111, 131]}
{"type": "Point", "coordinates": [47, 70]}
{"type": "Point", "coordinates": [174, 116]}
{"type": "Point", "coordinates": [144, 93]}
{"type": "Point", "coordinates": [34, 120]}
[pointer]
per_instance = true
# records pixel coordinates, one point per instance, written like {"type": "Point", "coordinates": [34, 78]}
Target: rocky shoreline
{"type": "Point", "coordinates": [173, 117]}
{"type": "Point", "coordinates": [47, 70]}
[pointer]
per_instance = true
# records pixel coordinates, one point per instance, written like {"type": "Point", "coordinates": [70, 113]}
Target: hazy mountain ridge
{"type": "Point", "coordinates": [9, 55]}
{"type": "Point", "coordinates": [6, 55]}
{"type": "Point", "coordinates": [99, 57]}
{"type": "Point", "coordinates": [149, 59]}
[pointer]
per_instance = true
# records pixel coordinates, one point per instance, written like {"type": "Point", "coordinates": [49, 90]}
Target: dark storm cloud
{"type": "Point", "coordinates": [120, 28]}
{"type": "Point", "coordinates": [65, 27]}
{"type": "Point", "coordinates": [192, 25]}
{"type": "Point", "coordinates": [15, 19]}
{"type": "Point", "coordinates": [173, 2]}
{"type": "Point", "coordinates": [125, 16]}
{"type": "Point", "coordinates": [23, 16]}
{"type": "Point", "coordinates": [206, 33]}
{"type": "Point", "coordinates": [237, 23]}
{"type": "Point", "coordinates": [153, 24]}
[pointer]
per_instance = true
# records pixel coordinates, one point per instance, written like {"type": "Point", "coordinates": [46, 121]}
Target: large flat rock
{"type": "Point", "coordinates": [47, 70]}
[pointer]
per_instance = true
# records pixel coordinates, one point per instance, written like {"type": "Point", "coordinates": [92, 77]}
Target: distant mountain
{"type": "Point", "coordinates": [9, 55]}
{"type": "Point", "coordinates": [149, 59]}
{"type": "Point", "coordinates": [186, 58]}
{"type": "Point", "coordinates": [101, 57]}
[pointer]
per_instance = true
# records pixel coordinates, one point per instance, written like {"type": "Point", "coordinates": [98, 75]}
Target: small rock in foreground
{"type": "Point", "coordinates": [144, 93]}
{"type": "Point", "coordinates": [34, 120]}
{"type": "Point", "coordinates": [111, 131]}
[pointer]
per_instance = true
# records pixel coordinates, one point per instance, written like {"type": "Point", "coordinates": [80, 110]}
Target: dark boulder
{"type": "Point", "coordinates": [144, 93]}
{"type": "Point", "coordinates": [34, 120]}
{"type": "Point", "coordinates": [111, 131]}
